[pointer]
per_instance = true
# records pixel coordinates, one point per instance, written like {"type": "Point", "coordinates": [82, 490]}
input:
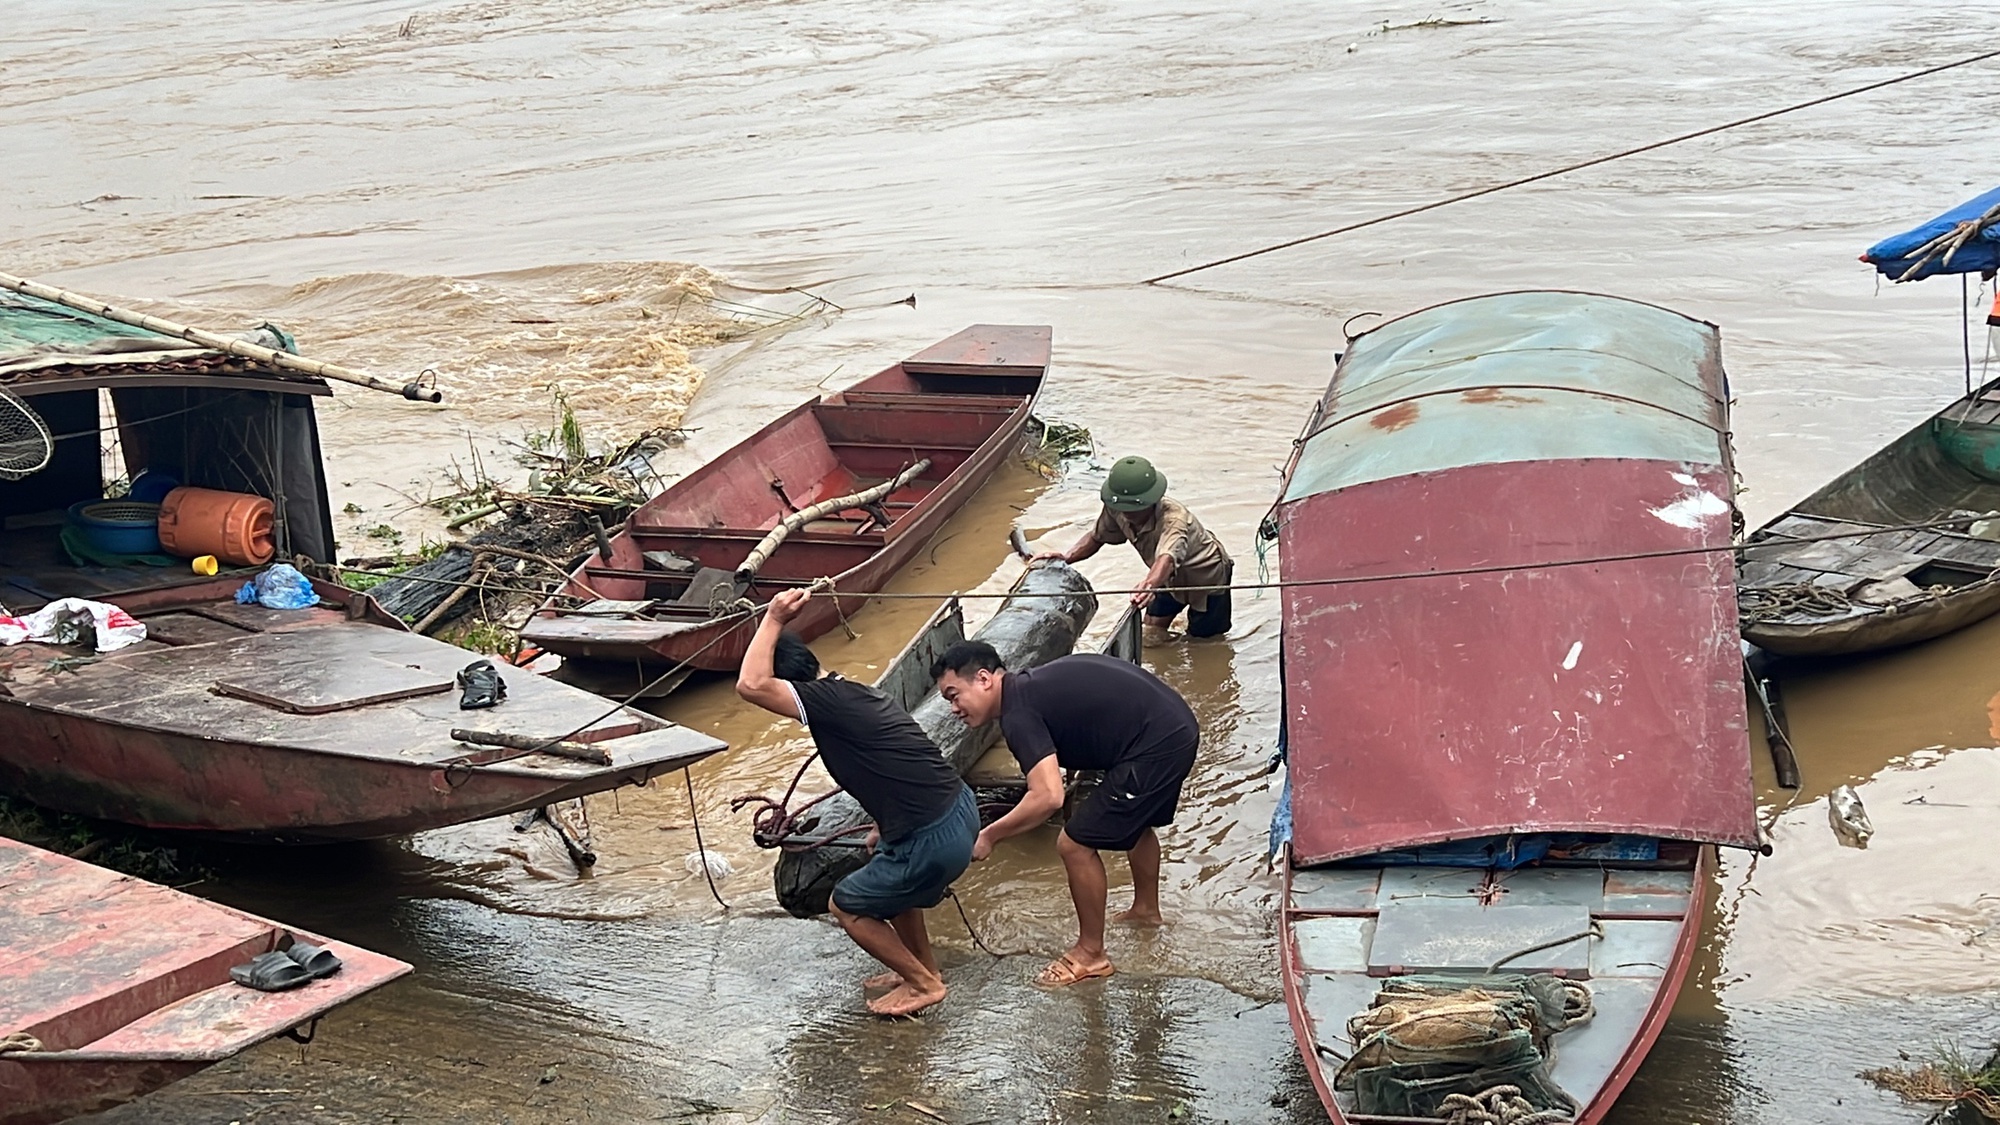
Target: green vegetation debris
{"type": "Point", "coordinates": [1968, 1094]}
{"type": "Point", "coordinates": [128, 850]}
{"type": "Point", "coordinates": [1057, 446]}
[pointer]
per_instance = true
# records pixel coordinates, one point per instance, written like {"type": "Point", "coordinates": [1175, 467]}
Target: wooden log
{"type": "Point", "coordinates": [1041, 620]}
{"type": "Point", "coordinates": [765, 547]}
{"type": "Point", "coordinates": [580, 751]}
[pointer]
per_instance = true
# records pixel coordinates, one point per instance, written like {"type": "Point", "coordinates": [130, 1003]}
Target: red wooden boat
{"type": "Point", "coordinates": [114, 987]}
{"type": "Point", "coordinates": [293, 725]}
{"type": "Point", "coordinates": [1515, 714]}
{"type": "Point", "coordinates": [667, 591]}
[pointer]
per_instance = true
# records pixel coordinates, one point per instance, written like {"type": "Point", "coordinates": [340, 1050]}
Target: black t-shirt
{"type": "Point", "coordinates": [1092, 712]}
{"type": "Point", "coordinates": [875, 751]}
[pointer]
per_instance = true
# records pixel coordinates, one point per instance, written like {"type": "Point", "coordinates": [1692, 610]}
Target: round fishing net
{"type": "Point", "coordinates": [25, 445]}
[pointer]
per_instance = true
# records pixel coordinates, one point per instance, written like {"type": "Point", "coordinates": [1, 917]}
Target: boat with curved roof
{"type": "Point", "coordinates": [1513, 709]}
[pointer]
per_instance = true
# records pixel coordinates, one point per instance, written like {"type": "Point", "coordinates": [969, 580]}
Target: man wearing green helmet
{"type": "Point", "coordinates": [1180, 554]}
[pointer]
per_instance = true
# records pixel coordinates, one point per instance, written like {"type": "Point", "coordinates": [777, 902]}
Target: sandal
{"type": "Point", "coordinates": [270, 972]}
{"type": "Point", "coordinates": [1065, 971]}
{"type": "Point", "coordinates": [317, 960]}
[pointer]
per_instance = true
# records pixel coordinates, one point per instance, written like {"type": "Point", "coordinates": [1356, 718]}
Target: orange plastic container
{"type": "Point", "coordinates": [233, 526]}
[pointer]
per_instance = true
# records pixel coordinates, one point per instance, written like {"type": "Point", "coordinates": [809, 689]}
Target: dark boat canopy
{"type": "Point", "coordinates": [1521, 509]}
{"type": "Point", "coordinates": [1928, 249]}
{"type": "Point", "coordinates": [199, 416]}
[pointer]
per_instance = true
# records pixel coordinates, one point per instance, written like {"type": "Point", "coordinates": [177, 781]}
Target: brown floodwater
{"type": "Point", "coordinates": [596, 198]}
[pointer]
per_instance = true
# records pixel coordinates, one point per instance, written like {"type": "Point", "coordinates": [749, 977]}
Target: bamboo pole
{"type": "Point", "coordinates": [761, 553]}
{"type": "Point", "coordinates": [240, 348]}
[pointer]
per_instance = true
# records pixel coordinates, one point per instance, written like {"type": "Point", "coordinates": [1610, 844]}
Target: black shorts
{"type": "Point", "coordinates": [1136, 794]}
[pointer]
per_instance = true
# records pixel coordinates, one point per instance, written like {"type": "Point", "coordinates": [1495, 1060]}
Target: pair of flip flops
{"type": "Point", "coordinates": [299, 963]}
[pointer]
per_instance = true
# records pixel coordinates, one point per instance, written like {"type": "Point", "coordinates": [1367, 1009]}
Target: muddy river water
{"type": "Point", "coordinates": [531, 194]}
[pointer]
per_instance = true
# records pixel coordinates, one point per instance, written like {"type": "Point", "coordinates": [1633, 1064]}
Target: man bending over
{"type": "Point", "coordinates": [1083, 712]}
{"type": "Point", "coordinates": [926, 820]}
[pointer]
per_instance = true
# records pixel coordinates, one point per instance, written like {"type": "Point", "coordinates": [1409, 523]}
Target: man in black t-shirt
{"type": "Point", "coordinates": [1083, 712]}
{"type": "Point", "coordinates": [926, 820]}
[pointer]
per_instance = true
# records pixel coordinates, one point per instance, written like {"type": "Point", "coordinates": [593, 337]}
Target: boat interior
{"type": "Point", "coordinates": [678, 555]}
{"type": "Point", "coordinates": [1944, 469]}
{"type": "Point", "coordinates": [234, 437]}
{"type": "Point", "coordinates": [1614, 926]}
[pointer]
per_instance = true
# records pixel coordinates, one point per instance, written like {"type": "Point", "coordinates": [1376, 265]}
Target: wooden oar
{"type": "Point", "coordinates": [243, 349]}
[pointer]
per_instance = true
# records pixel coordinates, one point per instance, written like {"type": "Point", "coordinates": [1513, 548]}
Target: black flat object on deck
{"type": "Point", "coordinates": [480, 685]}
{"type": "Point", "coordinates": [271, 972]}
{"type": "Point", "coordinates": [317, 960]}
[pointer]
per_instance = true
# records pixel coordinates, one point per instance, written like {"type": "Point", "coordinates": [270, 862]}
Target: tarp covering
{"type": "Point", "coordinates": [30, 322]}
{"type": "Point", "coordinates": [1894, 256]}
{"type": "Point", "coordinates": [1525, 621]}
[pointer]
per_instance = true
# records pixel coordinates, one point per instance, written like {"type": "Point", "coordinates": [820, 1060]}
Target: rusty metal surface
{"type": "Point", "coordinates": [141, 737]}
{"type": "Point", "coordinates": [1532, 697]}
{"type": "Point", "coordinates": [126, 984]}
{"type": "Point", "coordinates": [1016, 349]}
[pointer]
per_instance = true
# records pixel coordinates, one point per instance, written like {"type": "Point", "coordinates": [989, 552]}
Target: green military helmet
{"type": "Point", "coordinates": [1134, 485]}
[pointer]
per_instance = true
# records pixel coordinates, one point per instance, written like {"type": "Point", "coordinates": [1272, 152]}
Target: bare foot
{"type": "Point", "coordinates": [906, 1001]}
{"type": "Point", "coordinates": [1138, 917]}
{"type": "Point", "coordinates": [890, 979]}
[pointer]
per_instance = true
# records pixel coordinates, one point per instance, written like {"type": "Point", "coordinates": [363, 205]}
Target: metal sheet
{"type": "Point", "coordinates": [1600, 697]}
{"type": "Point", "coordinates": [1537, 630]}
{"type": "Point", "coordinates": [1517, 377]}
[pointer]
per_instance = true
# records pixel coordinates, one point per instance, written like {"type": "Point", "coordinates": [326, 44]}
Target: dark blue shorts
{"type": "Point", "coordinates": [1210, 622]}
{"type": "Point", "coordinates": [914, 872]}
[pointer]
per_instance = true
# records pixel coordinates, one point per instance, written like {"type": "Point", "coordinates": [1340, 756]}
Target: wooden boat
{"type": "Point", "coordinates": [1827, 596]}
{"type": "Point", "coordinates": [115, 987]}
{"type": "Point", "coordinates": [936, 426]}
{"type": "Point", "coordinates": [1509, 739]}
{"type": "Point", "coordinates": [333, 722]}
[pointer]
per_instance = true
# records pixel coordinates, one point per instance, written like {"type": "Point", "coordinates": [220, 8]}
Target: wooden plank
{"type": "Point", "coordinates": [987, 349]}
{"type": "Point", "coordinates": [1843, 558]}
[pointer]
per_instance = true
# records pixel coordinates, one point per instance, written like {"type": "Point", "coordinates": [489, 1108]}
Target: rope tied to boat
{"type": "Point", "coordinates": [19, 1042]}
{"type": "Point", "coordinates": [1499, 1105]}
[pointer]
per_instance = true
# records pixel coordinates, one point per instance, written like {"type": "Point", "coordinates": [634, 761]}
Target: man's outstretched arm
{"type": "Point", "coordinates": [1045, 796]}
{"type": "Point", "coordinates": [756, 681]}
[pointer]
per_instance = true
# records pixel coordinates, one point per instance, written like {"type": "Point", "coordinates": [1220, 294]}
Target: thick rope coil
{"type": "Point", "coordinates": [1499, 1105]}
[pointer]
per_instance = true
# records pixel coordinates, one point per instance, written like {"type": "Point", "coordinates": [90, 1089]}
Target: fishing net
{"type": "Point", "coordinates": [25, 445]}
{"type": "Point", "coordinates": [1442, 1046]}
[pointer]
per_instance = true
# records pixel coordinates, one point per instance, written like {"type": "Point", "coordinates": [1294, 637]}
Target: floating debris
{"type": "Point", "coordinates": [1057, 445]}
{"type": "Point", "coordinates": [1849, 819]}
{"type": "Point", "coordinates": [1969, 1095]}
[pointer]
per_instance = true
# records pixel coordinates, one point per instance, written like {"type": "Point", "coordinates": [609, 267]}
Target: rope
{"type": "Point", "coordinates": [1495, 568]}
{"type": "Point", "coordinates": [1576, 167]}
{"type": "Point", "coordinates": [1499, 1105]}
{"type": "Point", "coordinates": [1768, 603]}
{"type": "Point", "coordinates": [700, 849]}
{"type": "Point", "coordinates": [1596, 930]}
{"type": "Point", "coordinates": [19, 1042]}
{"type": "Point", "coordinates": [952, 894]}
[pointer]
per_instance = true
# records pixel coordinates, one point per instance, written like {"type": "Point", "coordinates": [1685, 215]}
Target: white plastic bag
{"type": "Point", "coordinates": [115, 628]}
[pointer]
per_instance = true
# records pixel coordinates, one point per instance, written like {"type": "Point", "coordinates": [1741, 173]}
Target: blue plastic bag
{"type": "Point", "coordinates": [279, 587]}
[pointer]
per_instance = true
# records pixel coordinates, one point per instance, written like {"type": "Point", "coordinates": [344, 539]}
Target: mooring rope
{"type": "Point", "coordinates": [1576, 167]}
{"type": "Point", "coordinates": [1499, 1105]}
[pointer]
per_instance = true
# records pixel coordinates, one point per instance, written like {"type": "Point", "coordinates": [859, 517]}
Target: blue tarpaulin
{"type": "Point", "coordinates": [1895, 255]}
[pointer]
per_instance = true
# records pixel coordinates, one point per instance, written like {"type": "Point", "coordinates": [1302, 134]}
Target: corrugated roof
{"type": "Point", "coordinates": [1580, 375]}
